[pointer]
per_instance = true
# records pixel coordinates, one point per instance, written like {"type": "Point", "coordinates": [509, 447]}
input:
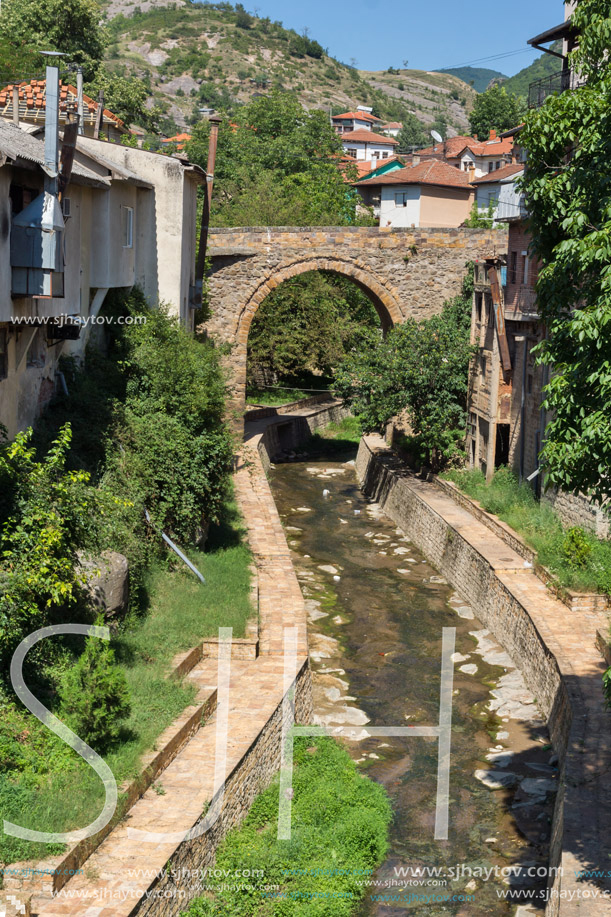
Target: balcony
{"type": "Point", "coordinates": [554, 84]}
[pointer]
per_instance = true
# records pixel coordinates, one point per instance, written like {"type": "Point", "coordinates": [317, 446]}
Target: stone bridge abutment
{"type": "Point", "coordinates": [407, 273]}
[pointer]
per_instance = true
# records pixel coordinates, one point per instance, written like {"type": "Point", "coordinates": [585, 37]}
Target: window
{"type": "Point", "coordinates": [384, 155]}
{"type": "Point", "coordinates": [66, 207]}
{"type": "Point", "coordinates": [3, 354]}
{"type": "Point", "coordinates": [351, 151]}
{"type": "Point", "coordinates": [526, 266]}
{"type": "Point", "coordinates": [483, 365]}
{"type": "Point", "coordinates": [478, 305]}
{"type": "Point", "coordinates": [513, 268]}
{"type": "Point", "coordinates": [401, 199]}
{"type": "Point", "coordinates": [490, 166]}
{"type": "Point", "coordinates": [127, 226]}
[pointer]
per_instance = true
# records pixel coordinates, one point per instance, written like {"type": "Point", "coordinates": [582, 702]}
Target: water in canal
{"type": "Point", "coordinates": [376, 611]}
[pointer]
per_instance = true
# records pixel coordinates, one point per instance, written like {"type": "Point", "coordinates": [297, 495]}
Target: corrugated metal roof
{"type": "Point", "coordinates": [16, 144]}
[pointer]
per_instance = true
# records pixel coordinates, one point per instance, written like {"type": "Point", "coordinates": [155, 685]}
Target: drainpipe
{"type": "Point", "coordinates": [16, 105]}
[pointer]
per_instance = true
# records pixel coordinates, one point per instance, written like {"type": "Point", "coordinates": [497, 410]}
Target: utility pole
{"type": "Point", "coordinates": [205, 224]}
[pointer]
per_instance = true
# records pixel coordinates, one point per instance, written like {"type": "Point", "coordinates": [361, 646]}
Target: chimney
{"type": "Point", "coordinates": [492, 134]}
{"type": "Point", "coordinates": [52, 129]}
{"type": "Point", "coordinates": [16, 105]}
{"type": "Point", "coordinates": [475, 137]}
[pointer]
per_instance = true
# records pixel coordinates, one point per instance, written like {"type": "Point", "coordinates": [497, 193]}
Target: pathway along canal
{"type": "Point", "coordinates": [376, 611]}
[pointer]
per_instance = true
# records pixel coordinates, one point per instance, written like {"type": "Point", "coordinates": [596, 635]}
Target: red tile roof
{"type": "Point", "coordinates": [362, 168]}
{"type": "Point", "coordinates": [33, 93]}
{"type": "Point", "coordinates": [362, 135]}
{"type": "Point", "coordinates": [359, 115]}
{"type": "Point", "coordinates": [454, 146]}
{"type": "Point", "coordinates": [504, 172]}
{"type": "Point", "coordinates": [391, 124]}
{"type": "Point", "coordinates": [430, 172]}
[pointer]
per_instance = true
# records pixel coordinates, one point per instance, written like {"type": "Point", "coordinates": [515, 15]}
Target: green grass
{"type": "Point", "coordinates": [541, 528]}
{"type": "Point", "coordinates": [272, 397]}
{"type": "Point", "coordinates": [335, 438]}
{"type": "Point", "coordinates": [339, 823]}
{"type": "Point", "coordinates": [44, 785]}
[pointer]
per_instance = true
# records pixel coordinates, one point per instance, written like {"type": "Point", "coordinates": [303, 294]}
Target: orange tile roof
{"type": "Point", "coordinates": [34, 95]}
{"type": "Point", "coordinates": [504, 172]}
{"type": "Point", "coordinates": [178, 138]}
{"type": "Point", "coordinates": [453, 146]}
{"type": "Point", "coordinates": [362, 167]}
{"type": "Point", "coordinates": [362, 135]}
{"type": "Point", "coordinates": [391, 124]}
{"type": "Point", "coordinates": [430, 172]}
{"type": "Point", "coordinates": [359, 115]}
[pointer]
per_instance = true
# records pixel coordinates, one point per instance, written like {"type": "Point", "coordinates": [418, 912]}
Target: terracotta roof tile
{"type": "Point", "coordinates": [34, 94]}
{"type": "Point", "coordinates": [430, 172]}
{"type": "Point", "coordinates": [504, 172]}
{"type": "Point", "coordinates": [359, 115]}
{"type": "Point", "coordinates": [364, 136]}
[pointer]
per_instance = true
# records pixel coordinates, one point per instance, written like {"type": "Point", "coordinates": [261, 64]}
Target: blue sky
{"type": "Point", "coordinates": [430, 34]}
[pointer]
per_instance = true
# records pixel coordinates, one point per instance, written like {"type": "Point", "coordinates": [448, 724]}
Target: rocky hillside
{"type": "Point", "coordinates": [193, 56]}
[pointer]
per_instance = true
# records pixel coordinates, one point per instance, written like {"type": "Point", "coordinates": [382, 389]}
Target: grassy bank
{"type": "Point", "coordinates": [274, 397]}
{"type": "Point", "coordinates": [339, 832]}
{"type": "Point", "coordinates": [44, 784]}
{"type": "Point", "coordinates": [577, 558]}
{"type": "Point", "coordinates": [335, 438]}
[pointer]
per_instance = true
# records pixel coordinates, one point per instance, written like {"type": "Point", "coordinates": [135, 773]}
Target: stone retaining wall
{"type": "Point", "coordinates": [288, 435]}
{"type": "Point", "coordinates": [557, 658]}
{"type": "Point", "coordinates": [170, 893]}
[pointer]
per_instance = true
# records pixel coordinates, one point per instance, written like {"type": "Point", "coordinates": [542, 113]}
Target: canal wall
{"type": "Point", "coordinates": [553, 647]}
{"type": "Point", "coordinates": [281, 434]}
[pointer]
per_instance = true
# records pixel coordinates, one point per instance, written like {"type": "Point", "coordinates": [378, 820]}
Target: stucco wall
{"type": "Point", "coordinates": [444, 207]}
{"type": "Point", "coordinates": [393, 214]}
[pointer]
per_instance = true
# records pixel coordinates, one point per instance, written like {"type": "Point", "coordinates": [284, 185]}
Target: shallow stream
{"type": "Point", "coordinates": [376, 611]}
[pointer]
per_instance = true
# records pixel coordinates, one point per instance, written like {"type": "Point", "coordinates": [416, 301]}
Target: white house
{"type": "Point", "coordinates": [489, 187]}
{"type": "Point", "coordinates": [127, 216]}
{"type": "Point", "coordinates": [430, 193]}
{"type": "Point", "coordinates": [469, 154]}
{"type": "Point", "coordinates": [361, 119]}
{"type": "Point", "coordinates": [367, 146]}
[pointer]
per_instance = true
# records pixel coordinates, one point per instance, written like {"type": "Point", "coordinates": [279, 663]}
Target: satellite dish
{"type": "Point", "coordinates": [436, 137]}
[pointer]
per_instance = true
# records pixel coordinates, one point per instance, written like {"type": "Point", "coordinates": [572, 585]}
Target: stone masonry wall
{"type": "Point", "coordinates": [169, 895]}
{"type": "Point", "coordinates": [406, 273]}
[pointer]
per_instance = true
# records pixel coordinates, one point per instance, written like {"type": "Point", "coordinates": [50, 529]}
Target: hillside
{"type": "Point", "coordinates": [194, 55]}
{"type": "Point", "coordinates": [541, 67]}
{"type": "Point", "coordinates": [478, 77]}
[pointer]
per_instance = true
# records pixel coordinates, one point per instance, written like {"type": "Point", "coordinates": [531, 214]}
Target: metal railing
{"type": "Point", "coordinates": [554, 84]}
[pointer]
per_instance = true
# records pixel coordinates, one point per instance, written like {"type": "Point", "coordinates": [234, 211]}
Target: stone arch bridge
{"type": "Point", "coordinates": [405, 272]}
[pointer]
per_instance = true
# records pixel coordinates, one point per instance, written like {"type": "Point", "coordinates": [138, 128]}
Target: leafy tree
{"type": "Point", "coordinates": [412, 134]}
{"type": "Point", "coordinates": [94, 695]}
{"type": "Point", "coordinates": [126, 97]}
{"type": "Point", "coordinates": [70, 26]}
{"type": "Point", "coordinates": [18, 60]}
{"type": "Point", "coordinates": [569, 201]}
{"type": "Point", "coordinates": [478, 219]}
{"type": "Point", "coordinates": [277, 164]}
{"type": "Point", "coordinates": [495, 109]}
{"type": "Point", "coordinates": [47, 515]}
{"type": "Point", "coordinates": [243, 20]}
{"type": "Point", "coordinates": [307, 324]}
{"type": "Point", "coordinates": [440, 124]}
{"type": "Point", "coordinates": [421, 368]}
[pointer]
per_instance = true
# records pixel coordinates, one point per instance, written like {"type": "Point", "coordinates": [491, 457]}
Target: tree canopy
{"type": "Point", "coordinates": [277, 164]}
{"type": "Point", "coordinates": [569, 201]}
{"type": "Point", "coordinates": [419, 367]}
{"type": "Point", "coordinates": [412, 133]}
{"type": "Point", "coordinates": [70, 26]}
{"type": "Point", "coordinates": [495, 109]}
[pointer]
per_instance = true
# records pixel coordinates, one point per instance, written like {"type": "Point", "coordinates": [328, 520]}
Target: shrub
{"type": "Point", "coordinates": [576, 547]}
{"type": "Point", "coordinates": [94, 695]}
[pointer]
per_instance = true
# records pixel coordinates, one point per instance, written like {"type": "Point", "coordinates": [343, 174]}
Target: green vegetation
{"type": "Point", "coordinates": [496, 109]}
{"type": "Point", "coordinates": [339, 819]}
{"type": "Point", "coordinates": [305, 327]}
{"type": "Point", "coordinates": [478, 77]}
{"type": "Point", "coordinates": [421, 368]}
{"type": "Point", "coordinates": [46, 786]}
{"type": "Point", "coordinates": [567, 190]}
{"type": "Point", "coordinates": [335, 438]}
{"type": "Point", "coordinates": [576, 558]}
{"type": "Point", "coordinates": [156, 440]}
{"type": "Point", "coordinates": [276, 166]}
{"type": "Point", "coordinates": [412, 134]}
{"type": "Point", "coordinates": [543, 66]}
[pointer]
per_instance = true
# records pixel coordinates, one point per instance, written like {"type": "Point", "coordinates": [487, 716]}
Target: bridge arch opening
{"type": "Point", "coordinates": [300, 322]}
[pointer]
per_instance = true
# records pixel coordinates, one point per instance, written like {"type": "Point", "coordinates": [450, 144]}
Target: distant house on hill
{"type": "Point", "coordinates": [471, 155]}
{"type": "Point", "coordinates": [430, 193]}
{"type": "Point", "coordinates": [488, 188]}
{"type": "Point", "coordinates": [392, 128]}
{"type": "Point", "coordinates": [32, 103]}
{"type": "Point", "coordinates": [361, 119]}
{"type": "Point", "coordinates": [367, 146]}
{"type": "Point", "coordinates": [178, 139]}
